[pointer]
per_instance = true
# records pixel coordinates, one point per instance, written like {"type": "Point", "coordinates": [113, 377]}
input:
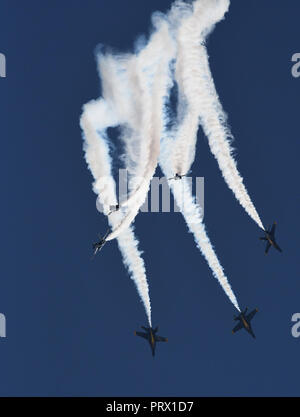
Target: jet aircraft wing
{"type": "Point", "coordinates": [238, 327]}
{"type": "Point", "coordinates": [273, 229]}
{"type": "Point", "coordinates": [142, 335]}
{"type": "Point", "coordinates": [160, 339]}
{"type": "Point", "coordinates": [251, 315]}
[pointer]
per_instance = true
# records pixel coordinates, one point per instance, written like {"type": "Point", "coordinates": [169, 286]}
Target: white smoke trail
{"type": "Point", "coordinates": [151, 84]}
{"type": "Point", "coordinates": [177, 155]}
{"type": "Point", "coordinates": [199, 20]}
{"type": "Point", "coordinates": [213, 120]}
{"type": "Point", "coordinates": [193, 217]}
{"type": "Point", "coordinates": [122, 88]}
{"type": "Point", "coordinates": [197, 86]}
{"type": "Point", "coordinates": [96, 117]}
{"type": "Point", "coordinates": [135, 87]}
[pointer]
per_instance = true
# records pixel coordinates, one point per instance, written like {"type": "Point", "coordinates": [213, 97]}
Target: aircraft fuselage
{"type": "Point", "coordinates": [246, 325]}
{"type": "Point", "coordinates": [152, 342]}
{"type": "Point", "coordinates": [271, 241]}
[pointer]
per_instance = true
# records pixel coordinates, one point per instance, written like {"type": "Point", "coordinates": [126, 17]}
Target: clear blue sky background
{"type": "Point", "coordinates": [70, 321]}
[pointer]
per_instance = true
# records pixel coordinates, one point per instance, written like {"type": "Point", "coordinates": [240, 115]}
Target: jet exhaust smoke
{"type": "Point", "coordinates": [193, 217]}
{"type": "Point", "coordinates": [135, 88]}
{"type": "Point", "coordinates": [96, 114]}
{"type": "Point", "coordinates": [148, 79]}
{"type": "Point", "coordinates": [201, 102]}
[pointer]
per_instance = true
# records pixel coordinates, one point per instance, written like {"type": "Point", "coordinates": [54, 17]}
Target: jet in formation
{"type": "Point", "coordinates": [151, 336]}
{"type": "Point", "coordinates": [177, 177]}
{"type": "Point", "coordinates": [244, 321]}
{"type": "Point", "coordinates": [99, 245]}
{"type": "Point", "coordinates": [270, 239]}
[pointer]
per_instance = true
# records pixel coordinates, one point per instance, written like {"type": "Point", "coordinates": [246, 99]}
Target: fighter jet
{"type": "Point", "coordinates": [114, 209]}
{"type": "Point", "coordinates": [151, 336]}
{"type": "Point", "coordinates": [99, 245]}
{"type": "Point", "coordinates": [244, 321]}
{"type": "Point", "coordinates": [270, 239]}
{"type": "Point", "coordinates": [177, 177]}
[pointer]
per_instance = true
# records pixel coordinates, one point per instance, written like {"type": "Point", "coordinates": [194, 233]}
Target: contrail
{"type": "Point", "coordinates": [150, 80]}
{"type": "Point", "coordinates": [197, 87]}
{"type": "Point", "coordinates": [96, 117]}
{"type": "Point", "coordinates": [200, 18]}
{"type": "Point", "coordinates": [213, 120]}
{"type": "Point", "coordinates": [178, 153]}
{"type": "Point", "coordinates": [193, 217]}
{"type": "Point", "coordinates": [134, 89]}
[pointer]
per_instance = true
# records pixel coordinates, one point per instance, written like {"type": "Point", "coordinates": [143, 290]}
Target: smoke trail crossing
{"type": "Point", "coordinates": [178, 149]}
{"type": "Point", "coordinates": [192, 31]}
{"type": "Point", "coordinates": [134, 90]}
{"type": "Point", "coordinates": [193, 217]}
{"type": "Point", "coordinates": [154, 80]}
{"type": "Point", "coordinates": [196, 84]}
{"type": "Point", "coordinates": [98, 115]}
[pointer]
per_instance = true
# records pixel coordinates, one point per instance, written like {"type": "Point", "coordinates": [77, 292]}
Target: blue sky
{"type": "Point", "coordinates": [70, 322]}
